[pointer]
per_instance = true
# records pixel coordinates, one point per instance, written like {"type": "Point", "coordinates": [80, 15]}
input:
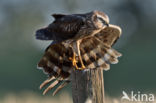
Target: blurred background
{"type": "Point", "coordinates": [20, 51]}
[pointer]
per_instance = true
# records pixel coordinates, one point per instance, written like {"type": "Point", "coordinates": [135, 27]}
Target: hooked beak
{"type": "Point", "coordinates": [107, 24]}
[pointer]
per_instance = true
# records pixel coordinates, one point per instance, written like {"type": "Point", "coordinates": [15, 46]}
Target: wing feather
{"type": "Point", "coordinates": [55, 58]}
{"type": "Point", "coordinates": [109, 35]}
{"type": "Point", "coordinates": [99, 55]}
{"type": "Point", "coordinates": [97, 52]}
{"type": "Point", "coordinates": [55, 62]}
{"type": "Point", "coordinates": [58, 16]}
{"type": "Point", "coordinates": [66, 26]}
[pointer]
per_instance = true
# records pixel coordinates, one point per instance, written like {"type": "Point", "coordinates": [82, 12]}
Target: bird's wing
{"type": "Point", "coordinates": [55, 61]}
{"type": "Point", "coordinates": [97, 52]}
{"type": "Point", "coordinates": [58, 16]}
{"type": "Point", "coordinates": [64, 27]}
{"type": "Point", "coordinates": [56, 64]}
{"type": "Point", "coordinates": [109, 35]}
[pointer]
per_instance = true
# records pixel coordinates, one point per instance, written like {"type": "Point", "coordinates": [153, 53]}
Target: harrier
{"type": "Point", "coordinates": [81, 41]}
{"type": "Point", "coordinates": [72, 29]}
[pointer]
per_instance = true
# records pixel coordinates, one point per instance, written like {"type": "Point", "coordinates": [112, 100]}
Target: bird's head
{"type": "Point", "coordinates": [100, 19]}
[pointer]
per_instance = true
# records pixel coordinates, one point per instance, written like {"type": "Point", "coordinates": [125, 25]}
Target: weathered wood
{"type": "Point", "coordinates": [88, 86]}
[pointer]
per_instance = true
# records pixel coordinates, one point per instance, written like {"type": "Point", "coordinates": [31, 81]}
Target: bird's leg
{"type": "Point", "coordinates": [73, 59]}
{"type": "Point", "coordinates": [76, 52]}
{"type": "Point", "coordinates": [79, 55]}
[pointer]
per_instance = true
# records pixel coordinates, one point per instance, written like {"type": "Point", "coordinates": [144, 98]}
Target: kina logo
{"type": "Point", "coordinates": [137, 97]}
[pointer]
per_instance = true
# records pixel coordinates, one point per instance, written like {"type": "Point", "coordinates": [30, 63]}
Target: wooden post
{"type": "Point", "coordinates": [88, 86]}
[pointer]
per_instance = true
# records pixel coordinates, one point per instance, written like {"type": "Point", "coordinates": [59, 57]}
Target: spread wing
{"type": "Point", "coordinates": [64, 27]}
{"type": "Point", "coordinates": [96, 52]}
{"type": "Point", "coordinates": [55, 62]}
{"type": "Point", "coordinates": [109, 35]}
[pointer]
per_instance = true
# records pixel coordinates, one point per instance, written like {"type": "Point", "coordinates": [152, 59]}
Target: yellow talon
{"type": "Point", "coordinates": [82, 67]}
{"type": "Point", "coordinates": [74, 62]}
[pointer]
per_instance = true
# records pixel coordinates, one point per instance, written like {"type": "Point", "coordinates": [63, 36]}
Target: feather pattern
{"type": "Point", "coordinates": [68, 25]}
{"type": "Point", "coordinates": [96, 51]}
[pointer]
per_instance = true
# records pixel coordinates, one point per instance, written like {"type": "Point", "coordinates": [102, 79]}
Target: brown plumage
{"type": "Point", "coordinates": [66, 27]}
{"type": "Point", "coordinates": [96, 52]}
{"type": "Point", "coordinates": [72, 29]}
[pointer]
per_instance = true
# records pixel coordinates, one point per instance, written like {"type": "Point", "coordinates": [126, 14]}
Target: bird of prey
{"type": "Point", "coordinates": [71, 29]}
{"type": "Point", "coordinates": [81, 41]}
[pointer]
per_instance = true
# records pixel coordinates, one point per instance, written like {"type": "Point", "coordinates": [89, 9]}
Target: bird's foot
{"type": "Point", "coordinates": [74, 61]}
{"type": "Point", "coordinates": [82, 67]}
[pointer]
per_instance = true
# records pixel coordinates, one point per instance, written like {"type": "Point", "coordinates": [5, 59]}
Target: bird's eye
{"type": "Point", "coordinates": [102, 20]}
